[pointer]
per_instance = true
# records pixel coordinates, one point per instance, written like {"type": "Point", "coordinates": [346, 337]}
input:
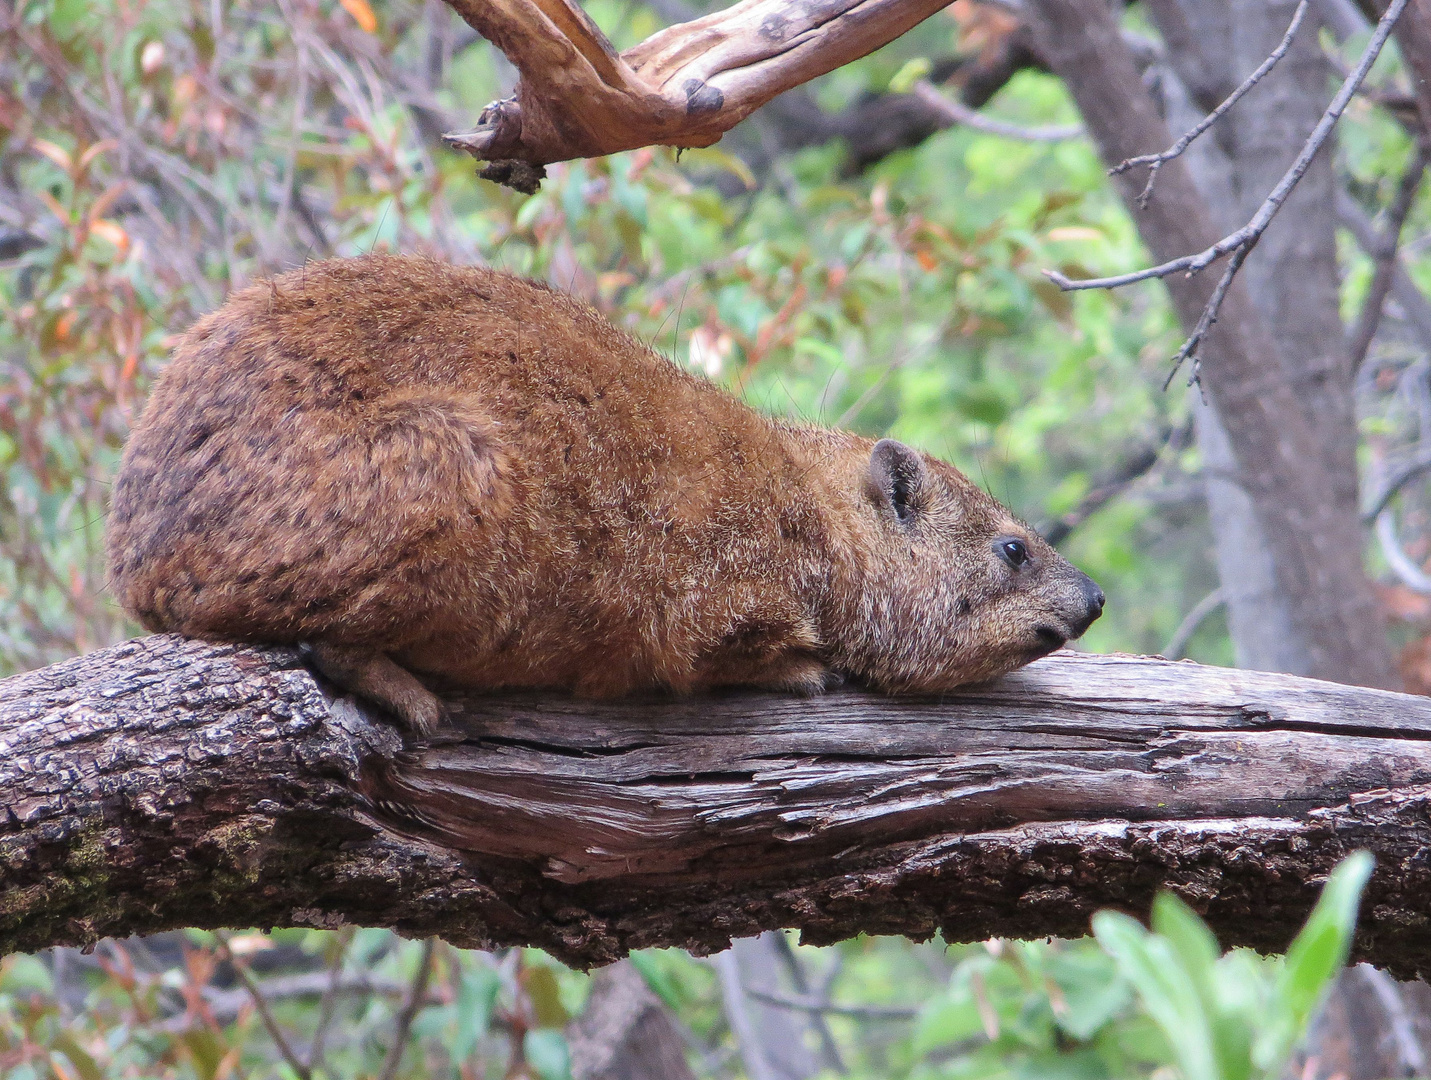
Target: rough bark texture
{"type": "Point", "coordinates": [164, 783]}
{"type": "Point", "coordinates": [1289, 462]}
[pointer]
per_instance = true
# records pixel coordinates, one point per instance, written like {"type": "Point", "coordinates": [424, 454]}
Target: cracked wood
{"type": "Point", "coordinates": [165, 783]}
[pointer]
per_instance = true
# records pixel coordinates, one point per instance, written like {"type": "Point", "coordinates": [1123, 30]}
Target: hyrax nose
{"type": "Point", "coordinates": [1093, 600]}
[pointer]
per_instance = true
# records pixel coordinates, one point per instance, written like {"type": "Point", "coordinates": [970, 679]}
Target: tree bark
{"type": "Point", "coordinates": [166, 783]}
{"type": "Point", "coordinates": [1282, 459]}
{"type": "Point", "coordinates": [625, 1033]}
{"type": "Point", "coordinates": [1261, 622]}
{"type": "Point", "coordinates": [684, 86]}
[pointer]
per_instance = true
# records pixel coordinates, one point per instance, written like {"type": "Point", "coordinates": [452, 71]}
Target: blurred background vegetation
{"type": "Point", "coordinates": [156, 154]}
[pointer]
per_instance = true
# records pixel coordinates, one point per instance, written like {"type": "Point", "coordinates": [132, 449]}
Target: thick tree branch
{"type": "Point", "coordinates": [684, 86]}
{"type": "Point", "coordinates": [165, 783]}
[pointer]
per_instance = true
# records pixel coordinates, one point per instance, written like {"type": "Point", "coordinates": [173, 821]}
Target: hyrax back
{"type": "Point", "coordinates": [421, 468]}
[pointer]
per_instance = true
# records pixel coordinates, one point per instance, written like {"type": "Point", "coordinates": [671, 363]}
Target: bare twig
{"type": "Point", "coordinates": [1253, 230]}
{"type": "Point", "coordinates": [1134, 466]}
{"type": "Point", "coordinates": [410, 1007]}
{"type": "Point", "coordinates": [1403, 474]}
{"type": "Point", "coordinates": [829, 1051]}
{"type": "Point", "coordinates": [261, 1004]}
{"type": "Point", "coordinates": [330, 993]}
{"type": "Point", "coordinates": [1384, 255]}
{"type": "Point", "coordinates": [1157, 161]}
{"type": "Point", "coordinates": [733, 994]}
{"type": "Point", "coordinates": [1238, 244]}
{"type": "Point", "coordinates": [1178, 643]}
{"type": "Point", "coordinates": [1208, 317]}
{"type": "Point", "coordinates": [1399, 1020]}
{"type": "Point", "coordinates": [819, 1006]}
{"type": "Point", "coordinates": [956, 112]}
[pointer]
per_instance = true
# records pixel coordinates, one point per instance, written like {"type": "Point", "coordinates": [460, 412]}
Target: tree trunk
{"type": "Point", "coordinates": [625, 1033]}
{"type": "Point", "coordinates": [1217, 42]}
{"type": "Point", "coordinates": [164, 783]}
{"type": "Point", "coordinates": [1290, 465]}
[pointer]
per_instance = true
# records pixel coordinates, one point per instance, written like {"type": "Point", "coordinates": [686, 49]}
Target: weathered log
{"type": "Point", "coordinates": [164, 783]}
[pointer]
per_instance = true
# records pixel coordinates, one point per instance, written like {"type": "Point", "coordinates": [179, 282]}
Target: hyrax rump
{"type": "Point", "coordinates": [447, 472]}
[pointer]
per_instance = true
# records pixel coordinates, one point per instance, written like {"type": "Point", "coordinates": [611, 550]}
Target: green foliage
{"type": "Point", "coordinates": [1233, 1016]}
{"type": "Point", "coordinates": [1129, 1002]}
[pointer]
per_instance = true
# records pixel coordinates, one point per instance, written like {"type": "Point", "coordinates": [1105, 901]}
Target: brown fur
{"type": "Point", "coordinates": [454, 472]}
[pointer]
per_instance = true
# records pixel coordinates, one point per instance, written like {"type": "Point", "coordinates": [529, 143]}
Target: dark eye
{"type": "Point", "coordinates": [1013, 552]}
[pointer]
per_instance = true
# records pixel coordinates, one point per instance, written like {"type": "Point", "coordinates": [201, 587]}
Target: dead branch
{"type": "Point", "coordinates": [1137, 463]}
{"type": "Point", "coordinates": [1415, 307]}
{"type": "Point", "coordinates": [820, 1006]}
{"type": "Point", "coordinates": [1157, 161]}
{"type": "Point", "coordinates": [684, 86]}
{"type": "Point", "coordinates": [1402, 565]}
{"type": "Point", "coordinates": [1401, 474]}
{"type": "Point", "coordinates": [165, 783]}
{"type": "Point", "coordinates": [1239, 244]}
{"type": "Point", "coordinates": [412, 1003]}
{"type": "Point", "coordinates": [260, 1001]}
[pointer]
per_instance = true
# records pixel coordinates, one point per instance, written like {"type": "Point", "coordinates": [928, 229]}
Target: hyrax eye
{"type": "Point", "coordinates": [1014, 552]}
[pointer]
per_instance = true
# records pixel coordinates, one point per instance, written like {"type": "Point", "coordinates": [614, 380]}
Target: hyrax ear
{"type": "Point", "coordinates": [897, 475]}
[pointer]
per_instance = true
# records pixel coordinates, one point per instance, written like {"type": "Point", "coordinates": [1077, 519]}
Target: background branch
{"type": "Point", "coordinates": [1239, 243]}
{"type": "Point", "coordinates": [1154, 162]}
{"type": "Point", "coordinates": [1384, 256]}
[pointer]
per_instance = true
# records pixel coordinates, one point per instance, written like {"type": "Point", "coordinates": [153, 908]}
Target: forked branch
{"type": "Point", "coordinates": [684, 86]}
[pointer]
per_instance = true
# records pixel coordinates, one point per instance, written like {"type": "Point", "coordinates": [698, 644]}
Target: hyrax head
{"type": "Point", "coordinates": [963, 590]}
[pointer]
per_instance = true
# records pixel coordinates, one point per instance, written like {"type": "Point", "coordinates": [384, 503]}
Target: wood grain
{"type": "Point", "coordinates": [166, 783]}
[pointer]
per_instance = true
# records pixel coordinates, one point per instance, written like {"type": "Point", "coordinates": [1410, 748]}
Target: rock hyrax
{"type": "Point", "coordinates": [443, 473]}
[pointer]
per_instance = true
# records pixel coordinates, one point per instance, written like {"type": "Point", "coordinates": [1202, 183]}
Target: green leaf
{"type": "Point", "coordinates": [1156, 971]}
{"type": "Point", "coordinates": [65, 16]}
{"type": "Point", "coordinates": [544, 992]}
{"type": "Point", "coordinates": [476, 996]}
{"type": "Point", "coordinates": [948, 1019]}
{"type": "Point", "coordinates": [1094, 991]}
{"type": "Point", "coordinates": [1314, 960]}
{"type": "Point", "coordinates": [22, 973]}
{"type": "Point", "coordinates": [912, 71]}
{"type": "Point", "coordinates": [547, 1053]}
{"type": "Point", "coordinates": [84, 1064]}
{"type": "Point", "coordinates": [1195, 944]}
{"type": "Point", "coordinates": [657, 981]}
